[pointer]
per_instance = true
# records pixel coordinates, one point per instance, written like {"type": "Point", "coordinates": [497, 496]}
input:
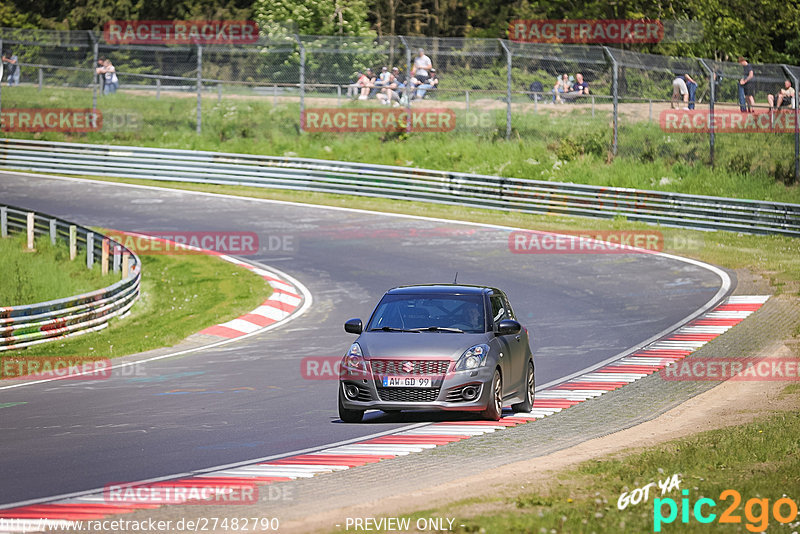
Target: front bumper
{"type": "Point", "coordinates": [446, 393]}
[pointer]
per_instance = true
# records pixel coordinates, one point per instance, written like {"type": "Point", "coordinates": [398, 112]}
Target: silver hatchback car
{"type": "Point", "coordinates": [438, 347]}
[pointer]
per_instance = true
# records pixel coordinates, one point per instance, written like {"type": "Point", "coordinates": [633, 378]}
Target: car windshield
{"type": "Point", "coordinates": [434, 313]}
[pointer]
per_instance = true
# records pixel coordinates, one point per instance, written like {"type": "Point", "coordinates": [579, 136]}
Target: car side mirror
{"type": "Point", "coordinates": [508, 327]}
{"type": "Point", "coordinates": [353, 326]}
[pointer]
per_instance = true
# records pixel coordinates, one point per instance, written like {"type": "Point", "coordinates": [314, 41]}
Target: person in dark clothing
{"type": "Point", "coordinates": [746, 86]}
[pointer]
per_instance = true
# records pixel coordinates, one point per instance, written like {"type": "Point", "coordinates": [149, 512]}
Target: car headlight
{"type": "Point", "coordinates": [473, 358]}
{"type": "Point", "coordinates": [353, 363]}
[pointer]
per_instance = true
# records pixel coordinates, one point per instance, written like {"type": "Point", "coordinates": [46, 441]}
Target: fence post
{"type": "Point", "coordinates": [199, 88]}
{"type": "Point", "coordinates": [219, 92]}
{"type": "Point", "coordinates": [408, 80]}
{"type": "Point", "coordinates": [126, 263]}
{"type": "Point", "coordinates": [73, 242]}
{"type": "Point", "coordinates": [95, 79]}
{"type": "Point", "coordinates": [3, 222]}
{"type": "Point", "coordinates": [158, 88]}
{"type": "Point", "coordinates": [31, 219]}
{"type": "Point", "coordinates": [508, 88]}
{"type": "Point", "coordinates": [41, 79]}
{"type": "Point", "coordinates": [615, 99]}
{"type": "Point", "coordinates": [89, 250]}
{"type": "Point", "coordinates": [302, 79]}
{"type": "Point", "coordinates": [712, 80]}
{"type": "Point", "coordinates": [466, 96]}
{"type": "Point", "coordinates": [53, 233]}
{"type": "Point", "coordinates": [792, 77]}
{"type": "Point", "coordinates": [117, 255]}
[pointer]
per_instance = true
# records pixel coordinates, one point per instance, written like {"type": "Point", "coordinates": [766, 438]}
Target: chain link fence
{"type": "Point", "coordinates": [491, 87]}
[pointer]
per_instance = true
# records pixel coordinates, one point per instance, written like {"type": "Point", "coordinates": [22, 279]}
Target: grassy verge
{"type": "Point", "coordinates": [759, 460]}
{"type": "Point", "coordinates": [46, 274]}
{"type": "Point", "coordinates": [570, 146]}
{"type": "Point", "coordinates": [180, 295]}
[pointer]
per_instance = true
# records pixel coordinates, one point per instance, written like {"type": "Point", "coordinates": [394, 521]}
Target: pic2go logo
{"type": "Point", "coordinates": [784, 510]}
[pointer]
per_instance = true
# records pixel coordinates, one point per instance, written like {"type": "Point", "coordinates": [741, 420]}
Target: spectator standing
{"type": "Point", "coordinates": [422, 66]}
{"type": "Point", "coordinates": [97, 68]}
{"type": "Point", "coordinates": [784, 97]}
{"type": "Point", "coordinates": [431, 83]}
{"type": "Point", "coordinates": [746, 86]}
{"type": "Point", "coordinates": [111, 82]}
{"type": "Point", "coordinates": [11, 64]}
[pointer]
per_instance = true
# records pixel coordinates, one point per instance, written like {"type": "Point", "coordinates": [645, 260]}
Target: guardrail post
{"type": "Point", "coordinates": [53, 233]}
{"type": "Point", "coordinates": [712, 82]}
{"type": "Point", "coordinates": [615, 95]}
{"type": "Point", "coordinates": [508, 88]}
{"type": "Point", "coordinates": [73, 242]}
{"type": "Point", "coordinates": [302, 79]}
{"type": "Point", "coordinates": [30, 225]}
{"type": "Point", "coordinates": [89, 250]}
{"type": "Point", "coordinates": [104, 258]}
{"type": "Point", "coordinates": [791, 75]}
{"type": "Point", "coordinates": [117, 257]}
{"type": "Point", "coordinates": [126, 265]}
{"type": "Point", "coordinates": [3, 222]}
{"type": "Point", "coordinates": [199, 88]}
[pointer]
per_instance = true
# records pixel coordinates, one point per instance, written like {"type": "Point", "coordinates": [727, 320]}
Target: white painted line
{"type": "Point", "coordinates": [748, 299]}
{"type": "Point", "coordinates": [429, 431]}
{"type": "Point", "coordinates": [285, 298]}
{"type": "Point", "coordinates": [703, 330]}
{"type": "Point", "coordinates": [240, 325]}
{"type": "Point", "coordinates": [574, 394]}
{"type": "Point", "coordinates": [728, 315]}
{"type": "Point", "coordinates": [270, 312]}
{"type": "Point", "coordinates": [611, 377]}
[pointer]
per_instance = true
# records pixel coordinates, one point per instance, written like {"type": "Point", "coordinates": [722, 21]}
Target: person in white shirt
{"type": "Point", "coordinates": [109, 76]}
{"type": "Point", "coordinates": [422, 65]}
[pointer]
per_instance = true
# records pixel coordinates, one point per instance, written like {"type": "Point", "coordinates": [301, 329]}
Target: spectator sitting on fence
{"type": "Point", "coordinates": [399, 77]}
{"type": "Point", "coordinates": [11, 64]}
{"type": "Point", "coordinates": [432, 82]}
{"type": "Point", "coordinates": [680, 90]}
{"type": "Point", "coordinates": [111, 82]}
{"type": "Point", "coordinates": [367, 82]}
{"type": "Point", "coordinates": [579, 88]}
{"type": "Point", "coordinates": [562, 86]}
{"type": "Point", "coordinates": [784, 97]}
{"type": "Point", "coordinates": [388, 93]}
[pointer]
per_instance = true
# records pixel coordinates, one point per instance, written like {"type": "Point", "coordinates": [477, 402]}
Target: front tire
{"type": "Point", "coordinates": [349, 416]}
{"type": "Point", "coordinates": [530, 392]}
{"type": "Point", "coordinates": [494, 409]}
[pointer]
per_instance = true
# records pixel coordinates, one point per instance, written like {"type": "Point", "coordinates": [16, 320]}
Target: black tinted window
{"type": "Point", "coordinates": [407, 312]}
{"type": "Point", "coordinates": [499, 311]}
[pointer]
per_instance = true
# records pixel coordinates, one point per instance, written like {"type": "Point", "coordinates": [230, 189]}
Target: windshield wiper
{"type": "Point", "coordinates": [392, 329]}
{"type": "Point", "coordinates": [438, 329]}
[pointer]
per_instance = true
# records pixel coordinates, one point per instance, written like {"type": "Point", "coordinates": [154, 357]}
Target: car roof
{"type": "Point", "coordinates": [441, 289]}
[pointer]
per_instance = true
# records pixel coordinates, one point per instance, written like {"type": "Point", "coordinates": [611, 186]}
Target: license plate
{"type": "Point", "coordinates": [407, 382]}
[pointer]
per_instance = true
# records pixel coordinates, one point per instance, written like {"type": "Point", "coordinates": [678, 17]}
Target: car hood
{"type": "Point", "coordinates": [422, 345]}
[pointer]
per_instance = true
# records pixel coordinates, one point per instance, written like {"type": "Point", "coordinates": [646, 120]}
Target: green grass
{"type": "Point", "coordinates": [180, 295]}
{"type": "Point", "coordinates": [759, 460]}
{"type": "Point", "coordinates": [569, 147]}
{"type": "Point", "coordinates": [46, 274]}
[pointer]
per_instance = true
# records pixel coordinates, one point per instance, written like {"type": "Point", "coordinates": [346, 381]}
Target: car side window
{"type": "Point", "coordinates": [509, 311]}
{"type": "Point", "coordinates": [498, 308]}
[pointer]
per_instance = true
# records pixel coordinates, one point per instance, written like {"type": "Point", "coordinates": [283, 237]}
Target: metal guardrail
{"type": "Point", "coordinates": [403, 183]}
{"type": "Point", "coordinates": [27, 325]}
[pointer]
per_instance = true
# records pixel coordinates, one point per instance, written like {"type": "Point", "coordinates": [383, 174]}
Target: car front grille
{"type": "Point", "coordinates": [404, 367]}
{"type": "Point", "coordinates": [408, 394]}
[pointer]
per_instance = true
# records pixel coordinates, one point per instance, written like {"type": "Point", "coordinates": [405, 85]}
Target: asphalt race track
{"type": "Point", "coordinates": [248, 398]}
